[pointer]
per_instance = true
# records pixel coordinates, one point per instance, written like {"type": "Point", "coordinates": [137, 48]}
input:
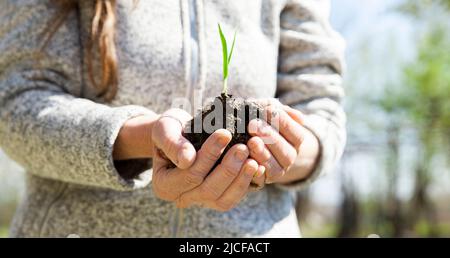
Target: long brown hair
{"type": "Point", "coordinates": [102, 39]}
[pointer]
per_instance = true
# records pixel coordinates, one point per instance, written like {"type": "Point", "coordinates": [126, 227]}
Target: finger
{"type": "Point", "coordinates": [167, 135]}
{"type": "Point", "coordinates": [238, 188]}
{"type": "Point", "coordinates": [162, 186]}
{"type": "Point", "coordinates": [258, 178]}
{"type": "Point", "coordinates": [283, 151]}
{"type": "Point", "coordinates": [219, 179]}
{"type": "Point", "coordinates": [207, 157]}
{"type": "Point", "coordinates": [176, 181]}
{"type": "Point", "coordinates": [290, 129]}
{"type": "Point", "coordinates": [264, 157]}
{"type": "Point", "coordinates": [295, 114]}
{"type": "Point", "coordinates": [225, 173]}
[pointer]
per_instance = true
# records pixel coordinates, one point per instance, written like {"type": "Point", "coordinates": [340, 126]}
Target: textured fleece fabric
{"type": "Point", "coordinates": [53, 124]}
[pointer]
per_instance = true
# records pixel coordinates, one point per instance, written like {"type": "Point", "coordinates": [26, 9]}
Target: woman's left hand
{"type": "Point", "coordinates": [279, 150]}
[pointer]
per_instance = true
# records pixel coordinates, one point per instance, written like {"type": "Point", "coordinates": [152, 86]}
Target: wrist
{"type": "Point", "coordinates": [134, 140]}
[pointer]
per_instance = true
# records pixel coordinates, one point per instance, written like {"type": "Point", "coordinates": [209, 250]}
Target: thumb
{"type": "Point", "coordinates": [167, 136]}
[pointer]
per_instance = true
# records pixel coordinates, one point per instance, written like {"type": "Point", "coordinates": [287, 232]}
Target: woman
{"type": "Point", "coordinates": [86, 90]}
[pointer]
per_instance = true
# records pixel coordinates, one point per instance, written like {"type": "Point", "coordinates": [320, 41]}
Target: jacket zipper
{"type": "Point", "coordinates": [58, 195]}
{"type": "Point", "coordinates": [194, 50]}
{"type": "Point", "coordinates": [193, 80]}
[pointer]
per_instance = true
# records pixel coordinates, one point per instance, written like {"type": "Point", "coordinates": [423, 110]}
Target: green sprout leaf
{"type": "Point", "coordinates": [226, 57]}
{"type": "Point", "coordinates": [232, 48]}
{"type": "Point", "coordinates": [225, 53]}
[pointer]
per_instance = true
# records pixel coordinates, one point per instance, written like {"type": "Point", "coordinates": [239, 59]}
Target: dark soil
{"type": "Point", "coordinates": [235, 114]}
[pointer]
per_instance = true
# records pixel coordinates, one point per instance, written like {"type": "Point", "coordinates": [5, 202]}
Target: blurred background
{"type": "Point", "coordinates": [394, 177]}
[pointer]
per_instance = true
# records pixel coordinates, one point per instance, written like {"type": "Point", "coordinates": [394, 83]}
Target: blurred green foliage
{"type": "Point", "coordinates": [416, 7]}
{"type": "Point", "coordinates": [419, 101]}
{"type": "Point", "coordinates": [3, 232]}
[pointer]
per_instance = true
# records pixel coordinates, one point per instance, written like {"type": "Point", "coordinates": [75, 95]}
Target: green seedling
{"type": "Point", "coordinates": [226, 58]}
{"type": "Point", "coordinates": [235, 113]}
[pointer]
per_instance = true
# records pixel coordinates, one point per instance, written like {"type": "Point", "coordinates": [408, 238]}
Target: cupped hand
{"type": "Point", "coordinates": [221, 190]}
{"type": "Point", "coordinates": [276, 144]}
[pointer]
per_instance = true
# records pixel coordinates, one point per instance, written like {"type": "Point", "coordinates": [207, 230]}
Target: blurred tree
{"type": "Point", "coordinates": [349, 215]}
{"type": "Point", "coordinates": [424, 103]}
{"type": "Point", "coordinates": [427, 104]}
{"type": "Point", "coordinates": [420, 101]}
{"type": "Point", "coordinates": [415, 107]}
{"type": "Point", "coordinates": [417, 7]}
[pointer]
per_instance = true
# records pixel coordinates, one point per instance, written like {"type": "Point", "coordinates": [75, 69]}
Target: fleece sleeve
{"type": "Point", "coordinates": [310, 77]}
{"type": "Point", "coordinates": [45, 125]}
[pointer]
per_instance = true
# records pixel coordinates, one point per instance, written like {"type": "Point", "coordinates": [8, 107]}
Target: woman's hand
{"type": "Point", "coordinates": [221, 190]}
{"type": "Point", "coordinates": [134, 138]}
{"type": "Point", "coordinates": [289, 153]}
{"type": "Point", "coordinates": [139, 135]}
{"type": "Point", "coordinates": [167, 136]}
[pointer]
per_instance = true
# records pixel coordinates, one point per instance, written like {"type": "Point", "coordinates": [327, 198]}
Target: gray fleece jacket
{"type": "Point", "coordinates": [53, 125]}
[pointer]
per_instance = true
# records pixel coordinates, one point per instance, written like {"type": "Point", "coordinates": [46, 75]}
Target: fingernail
{"type": "Point", "coordinates": [240, 155]}
{"type": "Point", "coordinates": [248, 169]}
{"type": "Point", "coordinates": [263, 170]}
{"type": "Point", "coordinates": [252, 144]}
{"type": "Point", "coordinates": [253, 126]}
{"type": "Point", "coordinates": [260, 172]}
{"type": "Point", "coordinates": [221, 142]}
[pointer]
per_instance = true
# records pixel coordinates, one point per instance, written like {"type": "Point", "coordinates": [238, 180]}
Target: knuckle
{"type": "Point", "coordinates": [193, 179]}
{"type": "Point", "coordinates": [275, 174]}
{"type": "Point", "coordinates": [208, 192]}
{"type": "Point", "coordinates": [229, 171]}
{"type": "Point", "coordinates": [211, 154]}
